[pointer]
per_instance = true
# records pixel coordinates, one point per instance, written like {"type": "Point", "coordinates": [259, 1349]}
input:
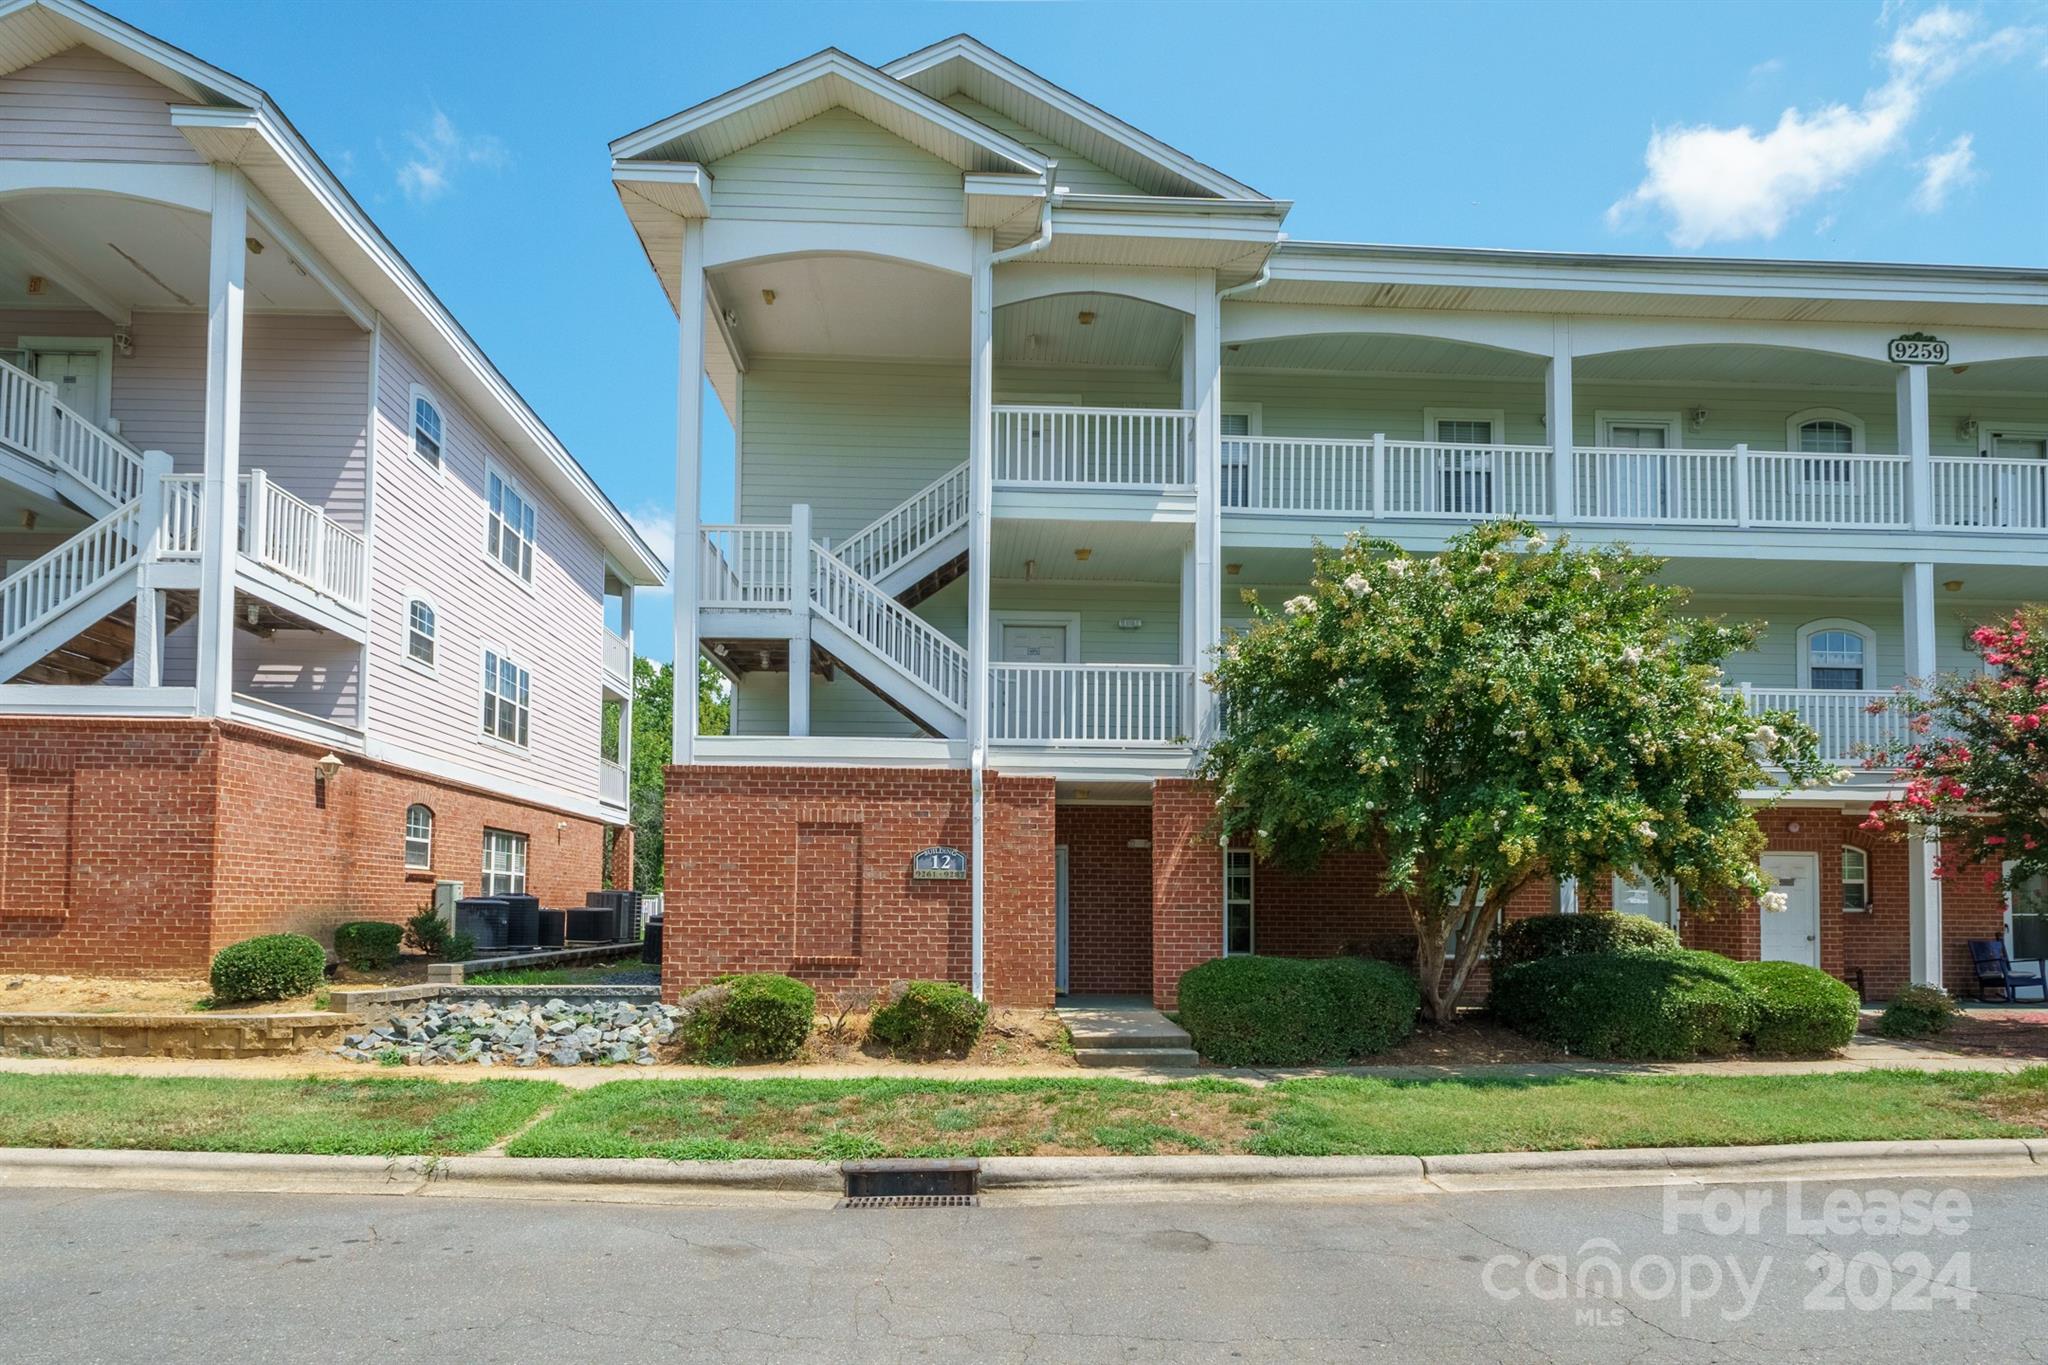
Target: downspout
{"type": "Point", "coordinates": [1044, 237]}
{"type": "Point", "coordinates": [1256, 281]}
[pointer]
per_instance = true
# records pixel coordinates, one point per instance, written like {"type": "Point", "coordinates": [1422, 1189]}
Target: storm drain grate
{"type": "Point", "coordinates": [899, 1184]}
{"type": "Point", "coordinates": [911, 1201]}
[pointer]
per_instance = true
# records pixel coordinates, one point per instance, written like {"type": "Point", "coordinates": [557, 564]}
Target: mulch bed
{"type": "Point", "coordinates": [2015, 1033]}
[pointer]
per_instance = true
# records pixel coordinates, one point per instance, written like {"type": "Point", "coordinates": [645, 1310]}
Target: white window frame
{"type": "Point", "coordinates": [1989, 428]}
{"type": "Point", "coordinates": [1250, 902]}
{"type": "Point", "coordinates": [1070, 619]}
{"type": "Point", "coordinates": [1633, 877]}
{"type": "Point", "coordinates": [486, 694]}
{"type": "Point", "coordinates": [494, 470]}
{"type": "Point", "coordinates": [426, 861]}
{"type": "Point", "coordinates": [1826, 623]}
{"type": "Point", "coordinates": [420, 393]}
{"type": "Point", "coordinates": [405, 630]}
{"type": "Point", "coordinates": [103, 347]}
{"type": "Point", "coordinates": [1497, 416]}
{"type": "Point", "coordinates": [1605, 420]}
{"type": "Point", "coordinates": [1806, 415]}
{"type": "Point", "coordinates": [1863, 858]}
{"type": "Point", "coordinates": [514, 858]}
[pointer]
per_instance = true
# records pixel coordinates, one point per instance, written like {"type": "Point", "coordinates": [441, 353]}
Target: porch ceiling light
{"type": "Point", "coordinates": [768, 297]}
{"type": "Point", "coordinates": [1233, 569]}
{"type": "Point", "coordinates": [1083, 553]}
{"type": "Point", "coordinates": [255, 247]}
{"type": "Point", "coordinates": [1953, 585]}
{"type": "Point", "coordinates": [1087, 319]}
{"type": "Point", "coordinates": [326, 766]}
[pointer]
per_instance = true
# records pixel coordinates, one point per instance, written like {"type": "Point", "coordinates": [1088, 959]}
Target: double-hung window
{"type": "Point", "coordinates": [419, 836]}
{"type": "Point", "coordinates": [1855, 878]}
{"type": "Point", "coordinates": [507, 689]}
{"type": "Point", "coordinates": [426, 429]}
{"type": "Point", "coordinates": [419, 632]}
{"type": "Point", "coordinates": [1237, 901]}
{"type": "Point", "coordinates": [510, 539]}
{"type": "Point", "coordinates": [504, 863]}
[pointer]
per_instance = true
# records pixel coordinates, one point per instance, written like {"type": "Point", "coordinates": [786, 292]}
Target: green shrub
{"type": "Point", "coordinates": [1801, 1011]}
{"type": "Point", "coordinates": [928, 1019]}
{"type": "Point", "coordinates": [1665, 1006]}
{"type": "Point", "coordinates": [272, 967]}
{"type": "Point", "coordinates": [367, 945]}
{"type": "Point", "coordinates": [1541, 936]}
{"type": "Point", "coordinates": [1284, 1011]}
{"type": "Point", "coordinates": [1917, 1012]}
{"type": "Point", "coordinates": [761, 1017]}
{"type": "Point", "coordinates": [426, 932]}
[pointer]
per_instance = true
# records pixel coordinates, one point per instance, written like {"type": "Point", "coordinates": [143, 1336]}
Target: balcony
{"type": "Point", "coordinates": [1848, 729]}
{"type": "Point", "coordinates": [285, 534]}
{"type": "Point", "coordinates": [618, 663]}
{"type": "Point", "coordinates": [1140, 450]}
{"type": "Point", "coordinates": [1099, 705]}
{"type": "Point", "coordinates": [611, 784]}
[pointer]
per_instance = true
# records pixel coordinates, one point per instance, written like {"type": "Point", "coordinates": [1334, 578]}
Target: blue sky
{"type": "Point", "coordinates": [475, 134]}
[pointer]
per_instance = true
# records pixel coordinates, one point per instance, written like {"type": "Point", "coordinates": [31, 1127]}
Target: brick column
{"type": "Point", "coordinates": [1020, 907]}
{"type": "Point", "coordinates": [1187, 884]}
{"type": "Point", "coordinates": [622, 858]}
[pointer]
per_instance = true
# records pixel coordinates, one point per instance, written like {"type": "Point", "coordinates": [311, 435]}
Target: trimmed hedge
{"type": "Point", "coordinates": [1639, 1006]}
{"type": "Point", "coordinates": [1801, 1011]}
{"type": "Point", "coordinates": [1917, 1012]}
{"type": "Point", "coordinates": [1541, 936]}
{"type": "Point", "coordinates": [1285, 1011]}
{"type": "Point", "coordinates": [761, 1017]}
{"type": "Point", "coordinates": [271, 967]}
{"type": "Point", "coordinates": [367, 945]}
{"type": "Point", "coordinates": [929, 1019]}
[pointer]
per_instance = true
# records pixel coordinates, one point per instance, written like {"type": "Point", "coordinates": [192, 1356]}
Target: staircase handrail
{"type": "Point", "coordinates": [34, 418]}
{"type": "Point", "coordinates": [51, 584]}
{"type": "Point", "coordinates": [919, 650]}
{"type": "Point", "coordinates": [925, 517]}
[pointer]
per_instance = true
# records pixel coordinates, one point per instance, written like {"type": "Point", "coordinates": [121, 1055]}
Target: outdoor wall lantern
{"type": "Point", "coordinates": [325, 767]}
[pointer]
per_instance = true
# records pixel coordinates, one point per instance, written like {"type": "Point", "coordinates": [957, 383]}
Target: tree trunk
{"type": "Point", "coordinates": [1429, 962]}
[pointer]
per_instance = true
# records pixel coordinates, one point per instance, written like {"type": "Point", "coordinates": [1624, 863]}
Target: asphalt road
{"type": "Point", "coordinates": [1958, 1274]}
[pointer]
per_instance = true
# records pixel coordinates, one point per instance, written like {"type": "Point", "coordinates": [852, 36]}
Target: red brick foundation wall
{"type": "Point", "coordinates": [140, 847]}
{"type": "Point", "coordinates": [1187, 884]}
{"type": "Point", "coordinates": [1109, 899]}
{"type": "Point", "coordinates": [622, 876]}
{"type": "Point", "coordinates": [807, 871]}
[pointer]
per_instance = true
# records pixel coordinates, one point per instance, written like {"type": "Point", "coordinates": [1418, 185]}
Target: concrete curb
{"type": "Point", "coordinates": [654, 1180]}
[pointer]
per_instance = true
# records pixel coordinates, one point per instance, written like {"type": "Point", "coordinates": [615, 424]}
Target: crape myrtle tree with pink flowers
{"type": "Point", "coordinates": [1974, 757]}
{"type": "Point", "coordinates": [1507, 710]}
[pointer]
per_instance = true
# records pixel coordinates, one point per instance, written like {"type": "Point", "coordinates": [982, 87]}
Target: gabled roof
{"type": "Point", "coordinates": [802, 90]}
{"type": "Point", "coordinates": [285, 167]}
{"type": "Point", "coordinates": [964, 65]}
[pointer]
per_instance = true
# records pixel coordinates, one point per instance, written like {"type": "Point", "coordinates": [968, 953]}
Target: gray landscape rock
{"type": "Point", "coordinates": [562, 1031]}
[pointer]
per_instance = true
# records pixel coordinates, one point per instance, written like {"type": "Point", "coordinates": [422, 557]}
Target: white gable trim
{"type": "Point", "coordinates": [862, 89]}
{"type": "Point", "coordinates": [1101, 122]}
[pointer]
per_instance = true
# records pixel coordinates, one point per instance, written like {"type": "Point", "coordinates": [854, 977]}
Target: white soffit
{"type": "Point", "coordinates": [965, 66]}
{"type": "Point", "coordinates": [803, 90]}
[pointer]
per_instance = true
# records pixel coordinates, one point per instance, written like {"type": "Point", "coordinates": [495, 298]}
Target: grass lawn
{"type": "Point", "coordinates": [372, 1117]}
{"type": "Point", "coordinates": [600, 975]}
{"type": "Point", "coordinates": [1323, 1117]}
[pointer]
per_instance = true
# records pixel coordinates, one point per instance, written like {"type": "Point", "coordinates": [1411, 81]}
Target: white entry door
{"type": "Point", "coordinates": [1793, 934]}
{"type": "Point", "coordinates": [76, 376]}
{"type": "Point", "coordinates": [1059, 873]}
{"type": "Point", "coordinates": [1036, 643]}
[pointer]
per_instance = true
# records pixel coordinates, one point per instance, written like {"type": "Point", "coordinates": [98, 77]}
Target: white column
{"type": "Point", "coordinates": [689, 488]}
{"type": "Point", "coordinates": [1207, 368]}
{"type": "Point", "coordinates": [149, 601]}
{"type": "Point", "coordinates": [800, 639]}
{"type": "Point", "coordinates": [1923, 888]}
{"type": "Point", "coordinates": [1558, 419]}
{"type": "Point", "coordinates": [227, 266]}
{"type": "Point", "coordinates": [626, 705]}
{"type": "Point", "coordinates": [981, 485]}
{"type": "Point", "coordinates": [1916, 443]}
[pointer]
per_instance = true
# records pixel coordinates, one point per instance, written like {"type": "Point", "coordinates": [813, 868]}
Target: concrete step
{"type": "Point", "coordinates": [1164, 1035]}
{"type": "Point", "coordinates": [1147, 1057]}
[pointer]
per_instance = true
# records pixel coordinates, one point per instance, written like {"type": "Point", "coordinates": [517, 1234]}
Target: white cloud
{"type": "Point", "coordinates": [653, 608]}
{"type": "Point", "coordinates": [1721, 184]}
{"type": "Point", "coordinates": [1945, 172]}
{"type": "Point", "coordinates": [438, 152]}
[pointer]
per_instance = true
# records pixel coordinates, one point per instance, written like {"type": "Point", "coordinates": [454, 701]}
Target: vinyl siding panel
{"type": "Point", "coordinates": [430, 536]}
{"type": "Point", "coordinates": [838, 167]}
{"type": "Point", "coordinates": [159, 392]}
{"type": "Point", "coordinates": [1076, 172]}
{"type": "Point", "coordinates": [82, 106]}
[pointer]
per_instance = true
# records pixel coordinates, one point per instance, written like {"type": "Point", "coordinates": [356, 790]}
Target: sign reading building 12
{"type": "Point", "coordinates": [939, 865]}
{"type": "Point", "coordinates": [1916, 348]}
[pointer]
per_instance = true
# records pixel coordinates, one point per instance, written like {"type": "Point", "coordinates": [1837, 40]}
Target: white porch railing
{"type": "Point", "coordinates": [287, 534]}
{"type": "Point", "coordinates": [1301, 475]}
{"type": "Point", "coordinates": [51, 584]}
{"type": "Point", "coordinates": [618, 658]}
{"type": "Point", "coordinates": [36, 424]}
{"type": "Point", "coordinates": [1689, 487]}
{"type": "Point", "coordinates": [919, 649]}
{"type": "Point", "coordinates": [1847, 728]}
{"type": "Point", "coordinates": [905, 530]}
{"type": "Point", "coordinates": [611, 783]}
{"type": "Point", "coordinates": [1429, 479]}
{"type": "Point", "coordinates": [180, 530]}
{"type": "Point", "coordinates": [1827, 492]}
{"type": "Point", "coordinates": [744, 568]}
{"type": "Point", "coordinates": [1991, 495]}
{"type": "Point", "coordinates": [1058, 447]}
{"type": "Point", "coordinates": [1089, 704]}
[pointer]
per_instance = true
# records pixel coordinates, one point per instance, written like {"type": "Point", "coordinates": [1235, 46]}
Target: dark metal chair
{"type": "Point", "coordinates": [1993, 968]}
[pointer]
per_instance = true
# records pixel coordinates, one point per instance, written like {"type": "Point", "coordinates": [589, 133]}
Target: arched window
{"type": "Point", "coordinates": [1855, 878]}
{"type": "Point", "coordinates": [1825, 431]}
{"type": "Point", "coordinates": [1836, 656]}
{"type": "Point", "coordinates": [426, 427]}
{"type": "Point", "coordinates": [419, 836]}
{"type": "Point", "coordinates": [420, 624]}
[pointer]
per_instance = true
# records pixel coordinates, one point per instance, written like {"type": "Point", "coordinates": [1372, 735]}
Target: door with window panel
{"type": "Point", "coordinates": [1465, 483]}
{"type": "Point", "coordinates": [1238, 933]}
{"type": "Point", "coordinates": [1237, 460]}
{"type": "Point", "coordinates": [2019, 492]}
{"type": "Point", "coordinates": [1637, 486]}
